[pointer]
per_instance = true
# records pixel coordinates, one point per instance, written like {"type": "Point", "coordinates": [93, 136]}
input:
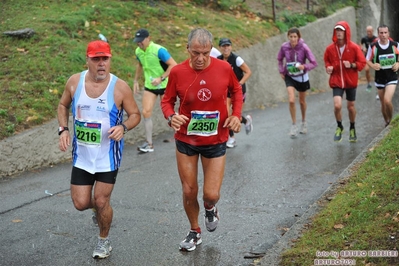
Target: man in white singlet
{"type": "Point", "coordinates": [98, 100]}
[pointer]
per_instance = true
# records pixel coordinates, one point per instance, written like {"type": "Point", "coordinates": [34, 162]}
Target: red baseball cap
{"type": "Point", "coordinates": [98, 48]}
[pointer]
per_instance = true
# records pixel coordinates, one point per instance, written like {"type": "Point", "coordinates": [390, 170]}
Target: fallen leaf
{"type": "Point", "coordinates": [338, 226]}
{"type": "Point", "coordinates": [16, 221]}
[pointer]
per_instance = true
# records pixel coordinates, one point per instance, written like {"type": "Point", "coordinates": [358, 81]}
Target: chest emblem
{"type": "Point", "coordinates": [204, 94]}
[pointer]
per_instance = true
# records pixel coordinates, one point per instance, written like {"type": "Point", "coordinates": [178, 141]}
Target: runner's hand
{"type": "Point", "coordinates": [64, 141]}
{"type": "Point", "coordinates": [376, 66]}
{"type": "Point", "coordinates": [233, 123]}
{"type": "Point", "coordinates": [177, 121]}
{"type": "Point", "coordinates": [395, 67]}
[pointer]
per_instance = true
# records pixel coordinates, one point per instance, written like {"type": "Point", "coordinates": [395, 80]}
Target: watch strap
{"type": "Point", "coordinates": [125, 130]}
{"type": "Point", "coordinates": [62, 129]}
{"type": "Point", "coordinates": [170, 119]}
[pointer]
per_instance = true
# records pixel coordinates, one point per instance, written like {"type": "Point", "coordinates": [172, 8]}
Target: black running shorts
{"type": "Point", "coordinates": [82, 177]}
{"type": "Point", "coordinates": [208, 151]}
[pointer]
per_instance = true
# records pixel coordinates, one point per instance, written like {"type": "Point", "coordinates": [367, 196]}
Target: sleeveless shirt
{"type": "Point", "coordinates": [92, 150]}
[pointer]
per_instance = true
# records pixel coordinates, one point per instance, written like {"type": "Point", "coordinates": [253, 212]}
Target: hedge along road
{"type": "Point", "coordinates": [270, 182]}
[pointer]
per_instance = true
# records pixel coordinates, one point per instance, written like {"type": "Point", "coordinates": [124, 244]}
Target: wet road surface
{"type": "Point", "coordinates": [270, 182]}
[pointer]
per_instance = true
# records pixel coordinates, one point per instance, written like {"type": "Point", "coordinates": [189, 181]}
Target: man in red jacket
{"type": "Point", "coordinates": [343, 59]}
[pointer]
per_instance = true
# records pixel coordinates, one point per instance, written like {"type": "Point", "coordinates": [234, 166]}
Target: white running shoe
{"type": "Point", "coordinates": [211, 219]}
{"type": "Point", "coordinates": [103, 249]}
{"type": "Point", "coordinates": [304, 128]}
{"type": "Point", "coordinates": [146, 147]}
{"type": "Point", "coordinates": [191, 241]}
{"type": "Point", "coordinates": [94, 217]}
{"type": "Point", "coordinates": [294, 131]}
{"type": "Point", "coordinates": [231, 143]}
{"type": "Point", "coordinates": [249, 127]}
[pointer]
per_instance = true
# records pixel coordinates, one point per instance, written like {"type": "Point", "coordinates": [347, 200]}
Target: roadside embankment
{"type": "Point", "coordinates": [38, 147]}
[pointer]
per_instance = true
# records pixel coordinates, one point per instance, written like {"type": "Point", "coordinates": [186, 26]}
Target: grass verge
{"type": "Point", "coordinates": [362, 216]}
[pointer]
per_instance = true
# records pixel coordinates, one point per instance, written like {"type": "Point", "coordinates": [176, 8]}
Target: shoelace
{"type": "Point", "coordinates": [101, 244]}
{"type": "Point", "coordinates": [191, 236]}
{"type": "Point", "coordinates": [210, 215]}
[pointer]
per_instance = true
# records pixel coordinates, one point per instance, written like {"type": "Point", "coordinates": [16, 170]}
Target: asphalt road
{"type": "Point", "coordinates": [270, 182]}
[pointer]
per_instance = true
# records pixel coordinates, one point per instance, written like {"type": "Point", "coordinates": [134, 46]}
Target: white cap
{"type": "Point", "coordinates": [340, 27]}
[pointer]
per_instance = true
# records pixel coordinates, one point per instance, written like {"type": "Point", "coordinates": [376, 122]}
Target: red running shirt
{"type": "Point", "coordinates": [202, 92]}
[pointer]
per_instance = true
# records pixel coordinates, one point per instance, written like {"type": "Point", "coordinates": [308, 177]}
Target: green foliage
{"type": "Point", "coordinates": [221, 4]}
{"type": "Point", "coordinates": [3, 113]}
{"type": "Point", "coordinates": [288, 20]}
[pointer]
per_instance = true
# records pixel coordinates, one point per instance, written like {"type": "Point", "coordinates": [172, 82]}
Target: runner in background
{"type": "Point", "coordinates": [294, 71]}
{"type": "Point", "coordinates": [382, 56]}
{"type": "Point", "coordinates": [242, 72]}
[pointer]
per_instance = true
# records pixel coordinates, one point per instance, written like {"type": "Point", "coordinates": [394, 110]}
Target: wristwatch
{"type": "Point", "coordinates": [62, 129]}
{"type": "Point", "coordinates": [170, 120]}
{"type": "Point", "coordinates": [125, 130]}
{"type": "Point", "coordinates": [163, 78]}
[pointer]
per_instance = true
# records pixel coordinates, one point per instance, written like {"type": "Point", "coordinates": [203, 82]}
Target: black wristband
{"type": "Point", "coordinates": [62, 129]}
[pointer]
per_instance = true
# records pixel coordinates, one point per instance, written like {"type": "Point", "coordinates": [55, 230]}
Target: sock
{"type": "Point", "coordinates": [207, 206]}
{"type": "Point", "coordinates": [231, 133]}
{"type": "Point", "coordinates": [148, 129]}
{"type": "Point", "coordinates": [198, 230]}
{"type": "Point", "coordinates": [339, 124]}
{"type": "Point", "coordinates": [352, 126]}
{"type": "Point", "coordinates": [243, 120]}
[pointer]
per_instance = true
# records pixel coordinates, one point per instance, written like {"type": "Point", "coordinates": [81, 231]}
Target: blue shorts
{"type": "Point", "coordinates": [207, 151]}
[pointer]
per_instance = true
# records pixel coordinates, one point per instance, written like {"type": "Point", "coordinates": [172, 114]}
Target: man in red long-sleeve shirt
{"type": "Point", "coordinates": [201, 127]}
